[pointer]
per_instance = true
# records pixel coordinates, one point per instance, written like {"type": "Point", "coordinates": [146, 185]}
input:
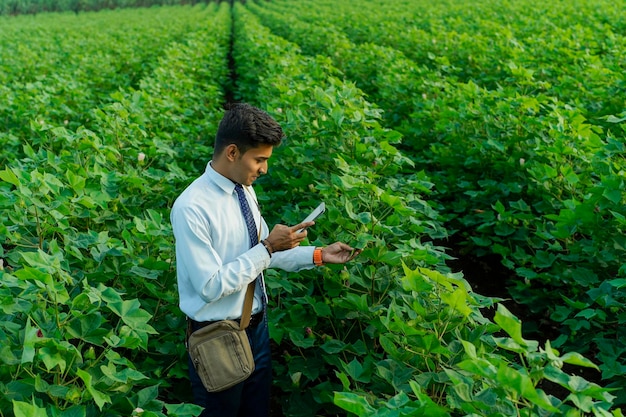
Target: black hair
{"type": "Point", "coordinates": [247, 127]}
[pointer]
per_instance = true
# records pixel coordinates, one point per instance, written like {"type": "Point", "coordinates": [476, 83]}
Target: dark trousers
{"type": "Point", "coordinates": [250, 398]}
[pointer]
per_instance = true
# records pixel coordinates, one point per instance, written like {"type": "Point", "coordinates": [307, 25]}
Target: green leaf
{"type": "Point", "coordinates": [457, 300]}
{"type": "Point", "coordinates": [322, 309]}
{"type": "Point", "coordinates": [356, 371]}
{"type": "Point", "coordinates": [429, 407]}
{"type": "Point", "coordinates": [385, 146]}
{"type": "Point", "coordinates": [614, 119]}
{"type": "Point", "coordinates": [556, 375]}
{"type": "Point", "coordinates": [575, 358]}
{"type": "Point", "coordinates": [30, 339]}
{"type": "Point", "coordinates": [353, 403]}
{"type": "Point", "coordinates": [509, 344]}
{"type": "Point", "coordinates": [480, 367]}
{"type": "Point", "coordinates": [22, 409]}
{"type": "Point", "coordinates": [124, 376]}
{"type": "Point", "coordinates": [42, 261]}
{"type": "Point", "coordinates": [482, 241]}
{"type": "Point", "coordinates": [57, 292]}
{"type": "Point", "coordinates": [499, 207]}
{"type": "Point", "coordinates": [76, 182]}
{"type": "Point", "coordinates": [544, 259]}
{"type": "Point", "coordinates": [51, 358]}
{"type": "Point", "coordinates": [299, 339]}
{"type": "Point", "coordinates": [132, 314]}
{"type": "Point", "coordinates": [147, 395]}
{"type": "Point", "coordinates": [569, 175]}
{"type": "Point", "coordinates": [99, 397]}
{"type": "Point", "coordinates": [513, 326]}
{"type": "Point", "coordinates": [183, 410]}
{"type": "Point", "coordinates": [364, 218]}
{"type": "Point", "coordinates": [8, 176]}
{"type": "Point", "coordinates": [618, 283]}
{"type": "Point", "coordinates": [396, 372]}
{"type": "Point", "coordinates": [470, 349]}
{"type": "Point", "coordinates": [345, 381]}
{"type": "Point", "coordinates": [615, 196]}
{"type": "Point", "coordinates": [89, 327]}
{"type": "Point", "coordinates": [523, 386]}
{"type": "Point", "coordinates": [75, 411]}
{"type": "Point", "coordinates": [334, 346]}
{"type": "Point", "coordinates": [587, 313]}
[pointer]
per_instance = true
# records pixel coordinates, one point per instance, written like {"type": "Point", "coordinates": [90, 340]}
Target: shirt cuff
{"type": "Point", "coordinates": [260, 257]}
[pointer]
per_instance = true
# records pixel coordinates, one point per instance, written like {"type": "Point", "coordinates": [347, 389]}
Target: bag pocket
{"type": "Point", "coordinates": [221, 354]}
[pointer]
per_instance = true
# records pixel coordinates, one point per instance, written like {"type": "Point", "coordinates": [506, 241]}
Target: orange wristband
{"type": "Point", "coordinates": [317, 257]}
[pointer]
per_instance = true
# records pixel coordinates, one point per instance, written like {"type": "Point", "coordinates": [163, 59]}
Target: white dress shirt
{"type": "Point", "coordinates": [214, 261]}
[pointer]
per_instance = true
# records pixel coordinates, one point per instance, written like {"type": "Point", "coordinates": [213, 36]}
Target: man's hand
{"type": "Point", "coordinates": [287, 237]}
{"type": "Point", "coordinates": [339, 253]}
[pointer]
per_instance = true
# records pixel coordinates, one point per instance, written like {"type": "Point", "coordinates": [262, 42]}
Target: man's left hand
{"type": "Point", "coordinates": [339, 253]}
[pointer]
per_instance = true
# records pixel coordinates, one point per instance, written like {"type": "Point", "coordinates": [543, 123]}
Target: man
{"type": "Point", "coordinates": [218, 255]}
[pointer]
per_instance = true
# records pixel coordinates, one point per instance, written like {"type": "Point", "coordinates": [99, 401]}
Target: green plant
{"type": "Point", "coordinates": [521, 135]}
{"type": "Point", "coordinates": [334, 332]}
{"type": "Point", "coordinates": [444, 358]}
{"type": "Point", "coordinates": [90, 322]}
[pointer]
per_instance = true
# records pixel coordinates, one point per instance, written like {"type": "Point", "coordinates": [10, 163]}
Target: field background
{"type": "Point", "coordinates": [476, 151]}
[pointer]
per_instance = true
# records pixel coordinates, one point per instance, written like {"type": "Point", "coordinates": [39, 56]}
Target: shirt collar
{"type": "Point", "coordinates": [221, 181]}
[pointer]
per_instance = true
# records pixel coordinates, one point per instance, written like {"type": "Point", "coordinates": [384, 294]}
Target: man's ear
{"type": "Point", "coordinates": [231, 152]}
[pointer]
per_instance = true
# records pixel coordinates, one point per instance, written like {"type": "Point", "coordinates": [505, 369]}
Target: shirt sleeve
{"type": "Point", "coordinates": [293, 260]}
{"type": "Point", "coordinates": [208, 275]}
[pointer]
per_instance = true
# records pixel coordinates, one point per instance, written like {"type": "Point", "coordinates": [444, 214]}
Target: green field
{"type": "Point", "coordinates": [476, 151]}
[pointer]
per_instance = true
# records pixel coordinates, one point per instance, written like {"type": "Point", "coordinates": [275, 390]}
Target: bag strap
{"type": "Point", "coordinates": [247, 306]}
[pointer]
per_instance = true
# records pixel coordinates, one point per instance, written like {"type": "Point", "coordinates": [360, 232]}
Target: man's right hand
{"type": "Point", "coordinates": [287, 237]}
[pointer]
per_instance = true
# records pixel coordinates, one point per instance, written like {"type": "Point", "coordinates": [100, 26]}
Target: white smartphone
{"type": "Point", "coordinates": [314, 215]}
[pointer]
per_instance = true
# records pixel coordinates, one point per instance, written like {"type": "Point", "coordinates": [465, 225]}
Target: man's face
{"type": "Point", "coordinates": [252, 164]}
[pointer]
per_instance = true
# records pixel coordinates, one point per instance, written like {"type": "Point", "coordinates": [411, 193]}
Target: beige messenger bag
{"type": "Point", "coordinates": [221, 352]}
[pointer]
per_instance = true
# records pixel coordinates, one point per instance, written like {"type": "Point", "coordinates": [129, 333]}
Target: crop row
{"type": "Point", "coordinates": [55, 68]}
{"type": "Point", "coordinates": [90, 323]}
{"type": "Point", "coordinates": [526, 170]}
{"type": "Point", "coordinates": [570, 51]}
{"type": "Point", "coordinates": [383, 335]}
{"type": "Point", "coordinates": [34, 7]}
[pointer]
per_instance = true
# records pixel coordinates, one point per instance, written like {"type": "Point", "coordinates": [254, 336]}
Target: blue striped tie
{"type": "Point", "coordinates": [252, 232]}
{"type": "Point", "coordinates": [247, 215]}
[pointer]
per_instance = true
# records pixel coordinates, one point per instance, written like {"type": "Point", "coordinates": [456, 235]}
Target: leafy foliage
{"type": "Point", "coordinates": [33, 7]}
{"type": "Point", "coordinates": [381, 344]}
{"type": "Point", "coordinates": [89, 318]}
{"type": "Point", "coordinates": [520, 134]}
{"type": "Point", "coordinates": [90, 323]}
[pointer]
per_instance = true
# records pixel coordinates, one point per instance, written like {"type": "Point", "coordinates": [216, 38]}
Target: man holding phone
{"type": "Point", "coordinates": [223, 244]}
